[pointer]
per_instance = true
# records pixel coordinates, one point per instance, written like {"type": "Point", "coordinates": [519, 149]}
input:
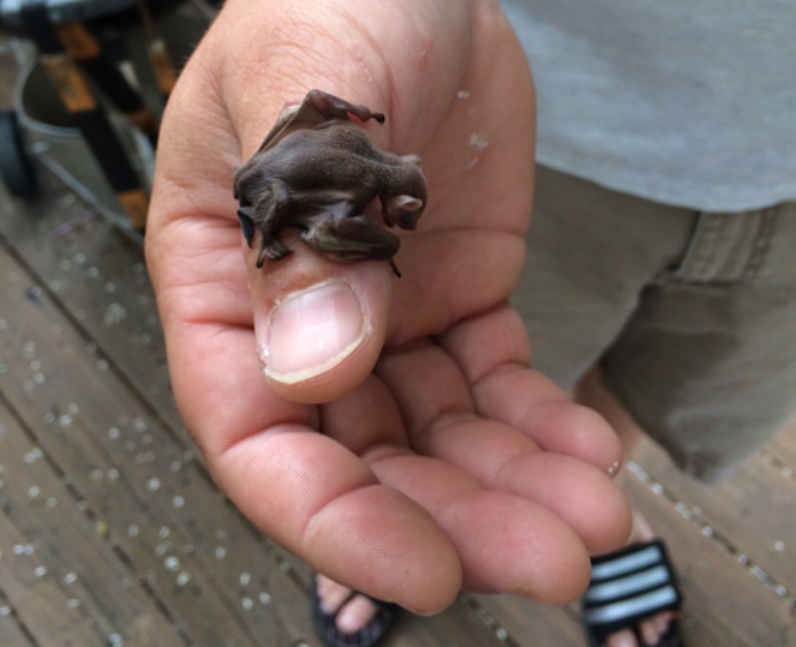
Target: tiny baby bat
{"type": "Point", "coordinates": [317, 170]}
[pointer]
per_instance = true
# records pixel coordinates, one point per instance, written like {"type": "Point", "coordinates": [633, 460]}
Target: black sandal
{"type": "Point", "coordinates": [630, 586]}
{"type": "Point", "coordinates": [326, 627]}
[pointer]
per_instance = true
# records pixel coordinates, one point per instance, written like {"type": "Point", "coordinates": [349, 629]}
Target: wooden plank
{"type": "Point", "coordinates": [98, 275]}
{"type": "Point", "coordinates": [61, 576]}
{"type": "Point", "coordinates": [216, 575]}
{"type": "Point", "coordinates": [526, 623]}
{"type": "Point", "coordinates": [458, 625]}
{"type": "Point", "coordinates": [725, 604]}
{"type": "Point", "coordinates": [781, 452]}
{"type": "Point", "coordinates": [753, 513]}
{"type": "Point", "coordinates": [12, 632]}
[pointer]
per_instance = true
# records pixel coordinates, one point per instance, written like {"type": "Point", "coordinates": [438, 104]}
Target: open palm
{"type": "Point", "coordinates": [437, 459]}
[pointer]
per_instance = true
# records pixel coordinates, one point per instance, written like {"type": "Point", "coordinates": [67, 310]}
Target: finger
{"type": "Point", "coordinates": [319, 325]}
{"type": "Point", "coordinates": [504, 542]}
{"type": "Point", "coordinates": [318, 500]}
{"type": "Point", "coordinates": [493, 353]}
{"type": "Point", "coordinates": [442, 424]}
{"type": "Point", "coordinates": [504, 459]}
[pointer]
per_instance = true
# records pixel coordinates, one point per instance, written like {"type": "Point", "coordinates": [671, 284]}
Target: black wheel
{"type": "Point", "coordinates": [16, 167]}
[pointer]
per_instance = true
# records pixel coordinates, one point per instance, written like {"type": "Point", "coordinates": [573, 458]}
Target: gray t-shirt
{"type": "Point", "coordinates": [686, 102]}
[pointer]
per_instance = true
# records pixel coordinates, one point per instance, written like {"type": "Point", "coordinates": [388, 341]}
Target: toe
{"type": "Point", "coordinates": [356, 614]}
{"type": "Point", "coordinates": [352, 612]}
{"type": "Point", "coordinates": [332, 595]}
{"type": "Point", "coordinates": [624, 638]}
{"type": "Point", "coordinates": [653, 629]}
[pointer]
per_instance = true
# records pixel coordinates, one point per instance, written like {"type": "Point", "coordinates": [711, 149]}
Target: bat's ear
{"type": "Point", "coordinates": [289, 112]}
{"type": "Point", "coordinates": [246, 224]}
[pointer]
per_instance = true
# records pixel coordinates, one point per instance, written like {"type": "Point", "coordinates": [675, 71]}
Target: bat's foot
{"type": "Point", "coordinates": [275, 250]}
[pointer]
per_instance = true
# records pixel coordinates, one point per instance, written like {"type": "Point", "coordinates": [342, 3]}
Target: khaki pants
{"type": "Point", "coordinates": [691, 316]}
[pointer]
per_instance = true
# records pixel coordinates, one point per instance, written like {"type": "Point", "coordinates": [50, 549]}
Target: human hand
{"type": "Point", "coordinates": [439, 460]}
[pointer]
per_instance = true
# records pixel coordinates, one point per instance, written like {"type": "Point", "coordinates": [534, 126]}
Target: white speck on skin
{"type": "Point", "coordinates": [462, 94]}
{"type": "Point", "coordinates": [478, 141]}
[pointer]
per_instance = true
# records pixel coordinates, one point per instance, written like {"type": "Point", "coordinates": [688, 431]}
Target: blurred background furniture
{"type": "Point", "coordinates": [96, 77]}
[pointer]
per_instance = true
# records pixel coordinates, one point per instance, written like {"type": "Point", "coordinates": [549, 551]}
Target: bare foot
{"type": "Point", "coordinates": [651, 629]}
{"type": "Point", "coordinates": [354, 611]}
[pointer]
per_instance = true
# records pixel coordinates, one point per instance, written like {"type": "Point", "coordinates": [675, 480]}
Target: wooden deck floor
{"type": "Point", "coordinates": [112, 532]}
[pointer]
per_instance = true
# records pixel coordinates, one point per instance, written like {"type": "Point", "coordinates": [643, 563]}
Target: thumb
{"type": "Point", "coordinates": [319, 324]}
